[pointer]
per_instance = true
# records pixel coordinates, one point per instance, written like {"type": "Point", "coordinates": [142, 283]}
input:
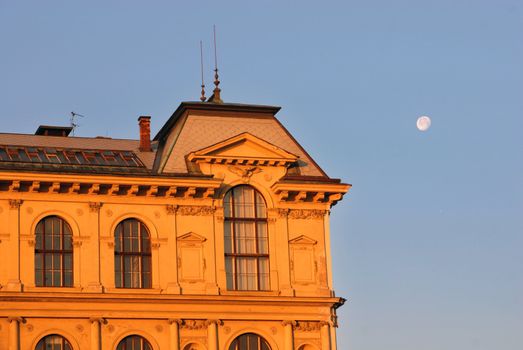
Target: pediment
{"type": "Point", "coordinates": [191, 237]}
{"type": "Point", "coordinates": [244, 149]}
{"type": "Point", "coordinates": [303, 240]}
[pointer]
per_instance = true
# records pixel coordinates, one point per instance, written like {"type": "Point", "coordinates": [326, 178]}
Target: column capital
{"type": "Point", "coordinates": [18, 319]}
{"type": "Point", "coordinates": [99, 320]}
{"type": "Point", "coordinates": [95, 207]}
{"type": "Point", "coordinates": [216, 322]}
{"type": "Point", "coordinates": [288, 322]}
{"type": "Point", "coordinates": [15, 203]}
{"type": "Point", "coordinates": [178, 321]}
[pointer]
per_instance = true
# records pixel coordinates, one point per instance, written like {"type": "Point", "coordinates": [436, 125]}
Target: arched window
{"type": "Point", "coordinates": [246, 239]}
{"type": "Point", "coordinates": [249, 341]}
{"type": "Point", "coordinates": [53, 342]}
{"type": "Point", "coordinates": [53, 253]}
{"type": "Point", "coordinates": [134, 342]}
{"type": "Point", "coordinates": [132, 255]}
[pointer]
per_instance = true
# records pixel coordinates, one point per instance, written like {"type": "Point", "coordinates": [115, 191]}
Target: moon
{"type": "Point", "coordinates": [423, 123]}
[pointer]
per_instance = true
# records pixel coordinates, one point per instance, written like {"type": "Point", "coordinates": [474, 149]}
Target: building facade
{"type": "Point", "coordinates": [213, 235]}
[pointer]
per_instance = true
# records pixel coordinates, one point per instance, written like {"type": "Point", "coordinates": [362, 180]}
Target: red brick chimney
{"type": "Point", "coordinates": [145, 133]}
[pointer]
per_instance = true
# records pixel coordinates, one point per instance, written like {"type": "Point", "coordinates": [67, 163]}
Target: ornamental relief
{"type": "Point", "coordinates": [194, 324]}
{"type": "Point", "coordinates": [299, 213]}
{"type": "Point", "coordinates": [307, 214]}
{"type": "Point", "coordinates": [195, 210]}
{"type": "Point", "coordinates": [308, 326]}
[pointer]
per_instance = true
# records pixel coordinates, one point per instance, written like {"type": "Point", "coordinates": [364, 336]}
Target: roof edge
{"type": "Point", "coordinates": [210, 106]}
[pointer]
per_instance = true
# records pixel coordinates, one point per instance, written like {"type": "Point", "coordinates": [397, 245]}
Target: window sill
{"type": "Point", "coordinates": [133, 290]}
{"type": "Point", "coordinates": [52, 289]}
{"type": "Point", "coordinates": [250, 292]}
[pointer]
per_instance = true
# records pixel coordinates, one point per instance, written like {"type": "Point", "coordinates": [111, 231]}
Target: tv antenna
{"type": "Point", "coordinates": [72, 121]}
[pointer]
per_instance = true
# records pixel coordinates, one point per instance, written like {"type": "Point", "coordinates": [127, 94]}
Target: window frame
{"type": "Point", "coordinates": [236, 256]}
{"type": "Point", "coordinates": [145, 344]}
{"type": "Point", "coordinates": [66, 344]}
{"type": "Point", "coordinates": [62, 252]}
{"type": "Point", "coordinates": [141, 254]}
{"type": "Point", "coordinates": [261, 341]}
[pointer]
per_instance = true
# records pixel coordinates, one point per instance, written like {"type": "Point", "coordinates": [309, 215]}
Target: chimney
{"type": "Point", "coordinates": [145, 133]}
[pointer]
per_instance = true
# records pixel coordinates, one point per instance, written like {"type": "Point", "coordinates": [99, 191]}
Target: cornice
{"type": "Point", "coordinates": [295, 192]}
{"type": "Point", "coordinates": [108, 185]}
{"type": "Point", "coordinates": [72, 297]}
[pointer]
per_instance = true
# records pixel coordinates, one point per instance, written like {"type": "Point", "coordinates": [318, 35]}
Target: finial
{"type": "Point", "coordinates": [216, 92]}
{"type": "Point", "coordinates": [202, 97]}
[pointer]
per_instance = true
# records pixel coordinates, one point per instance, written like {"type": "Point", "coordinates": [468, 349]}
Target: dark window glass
{"type": "Point", "coordinates": [132, 255]}
{"type": "Point", "coordinates": [53, 342]}
{"type": "Point", "coordinates": [246, 239]}
{"type": "Point", "coordinates": [134, 342]}
{"type": "Point", "coordinates": [53, 253]}
{"type": "Point", "coordinates": [249, 341]}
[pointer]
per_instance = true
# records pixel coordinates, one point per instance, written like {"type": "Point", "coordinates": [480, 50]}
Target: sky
{"type": "Point", "coordinates": [427, 246]}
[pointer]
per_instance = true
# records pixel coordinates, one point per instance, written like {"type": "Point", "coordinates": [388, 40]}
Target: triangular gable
{"type": "Point", "coordinates": [244, 149]}
{"type": "Point", "coordinates": [192, 238]}
{"type": "Point", "coordinates": [303, 240]}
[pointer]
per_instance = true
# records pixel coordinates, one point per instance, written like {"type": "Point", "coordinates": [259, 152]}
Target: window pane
{"type": "Point", "coordinates": [68, 261]}
{"type": "Point", "coordinates": [229, 272]}
{"type": "Point", "coordinates": [228, 237]}
{"type": "Point", "coordinates": [68, 279]}
{"type": "Point", "coordinates": [261, 211]}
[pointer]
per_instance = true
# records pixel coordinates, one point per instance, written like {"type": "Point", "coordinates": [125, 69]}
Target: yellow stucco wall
{"type": "Point", "coordinates": [189, 297]}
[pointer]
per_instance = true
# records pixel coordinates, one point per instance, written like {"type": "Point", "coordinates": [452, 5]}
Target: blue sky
{"type": "Point", "coordinates": [428, 245]}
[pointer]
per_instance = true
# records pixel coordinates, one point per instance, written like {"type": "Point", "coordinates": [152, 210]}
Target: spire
{"type": "Point", "coordinates": [216, 98]}
{"type": "Point", "coordinates": [202, 97]}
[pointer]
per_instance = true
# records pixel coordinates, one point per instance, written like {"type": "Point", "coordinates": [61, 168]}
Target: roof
{"type": "Point", "coordinates": [209, 106]}
{"type": "Point", "coordinates": [73, 154]}
{"type": "Point", "coordinates": [193, 126]}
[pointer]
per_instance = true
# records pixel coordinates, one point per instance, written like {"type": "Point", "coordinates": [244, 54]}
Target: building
{"type": "Point", "coordinates": [213, 235]}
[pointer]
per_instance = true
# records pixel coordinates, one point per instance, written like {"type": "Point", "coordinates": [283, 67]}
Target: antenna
{"type": "Point", "coordinates": [72, 121]}
{"type": "Point", "coordinates": [202, 97]}
{"type": "Point", "coordinates": [216, 91]}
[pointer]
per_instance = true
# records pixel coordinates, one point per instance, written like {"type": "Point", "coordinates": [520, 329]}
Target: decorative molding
{"type": "Point", "coordinates": [34, 187]}
{"type": "Point", "coordinates": [308, 326]}
{"type": "Point", "coordinates": [232, 152]}
{"type": "Point", "coordinates": [216, 322]}
{"type": "Point", "coordinates": [94, 207]}
{"type": "Point", "coordinates": [15, 203]}
{"type": "Point", "coordinates": [328, 193]}
{"type": "Point", "coordinates": [18, 319]}
{"type": "Point", "coordinates": [196, 210]}
{"type": "Point", "coordinates": [279, 212]}
{"type": "Point", "coordinates": [54, 188]}
{"type": "Point", "coordinates": [113, 190]}
{"type": "Point", "coordinates": [194, 324]}
{"type": "Point", "coordinates": [175, 320]}
{"type": "Point", "coordinates": [75, 188]}
{"type": "Point", "coordinates": [152, 191]}
{"type": "Point", "coordinates": [94, 185]}
{"type": "Point", "coordinates": [14, 186]}
{"type": "Point", "coordinates": [307, 213]}
{"type": "Point", "coordinates": [245, 172]}
{"type": "Point", "coordinates": [191, 237]}
{"type": "Point", "coordinates": [171, 209]}
{"type": "Point", "coordinates": [288, 322]}
{"type": "Point", "coordinates": [303, 240]}
{"type": "Point", "coordinates": [100, 320]}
